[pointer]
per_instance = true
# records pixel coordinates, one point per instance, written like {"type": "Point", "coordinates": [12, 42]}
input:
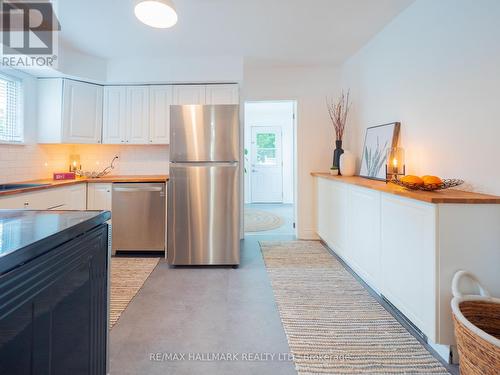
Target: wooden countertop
{"type": "Point", "coordinates": [442, 196]}
{"type": "Point", "coordinates": [49, 183]}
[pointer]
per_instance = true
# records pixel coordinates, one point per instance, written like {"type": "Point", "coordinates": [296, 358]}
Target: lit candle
{"type": "Point", "coordinates": [395, 165]}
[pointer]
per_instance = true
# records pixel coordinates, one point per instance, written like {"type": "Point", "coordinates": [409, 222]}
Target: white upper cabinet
{"type": "Point", "coordinates": [189, 94]}
{"type": "Point", "coordinates": [222, 94]}
{"type": "Point", "coordinates": [78, 112]}
{"type": "Point", "coordinates": [138, 114]}
{"type": "Point", "coordinates": [126, 115]}
{"type": "Point", "coordinates": [160, 99]}
{"type": "Point", "coordinates": [69, 111]}
{"type": "Point", "coordinates": [114, 116]}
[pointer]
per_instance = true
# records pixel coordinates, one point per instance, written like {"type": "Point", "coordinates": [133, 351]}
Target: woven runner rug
{"type": "Point", "coordinates": [333, 325]}
{"type": "Point", "coordinates": [127, 277]}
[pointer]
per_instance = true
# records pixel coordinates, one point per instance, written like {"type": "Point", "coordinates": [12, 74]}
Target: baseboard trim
{"type": "Point", "coordinates": [307, 234]}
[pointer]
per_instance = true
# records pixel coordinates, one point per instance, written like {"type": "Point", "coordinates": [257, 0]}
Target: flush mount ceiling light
{"type": "Point", "coordinates": [156, 13]}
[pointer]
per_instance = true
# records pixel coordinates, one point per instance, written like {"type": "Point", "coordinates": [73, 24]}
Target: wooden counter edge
{"type": "Point", "coordinates": [449, 196]}
{"type": "Point", "coordinates": [49, 184]}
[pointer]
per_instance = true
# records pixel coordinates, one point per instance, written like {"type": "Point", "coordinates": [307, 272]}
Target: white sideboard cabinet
{"type": "Point", "coordinates": [408, 245]}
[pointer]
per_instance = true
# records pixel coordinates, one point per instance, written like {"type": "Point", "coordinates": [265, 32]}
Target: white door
{"type": "Point", "coordinates": [82, 112]}
{"type": "Point", "coordinates": [222, 94]}
{"type": "Point", "coordinates": [114, 127]}
{"type": "Point", "coordinates": [189, 94]}
{"type": "Point", "coordinates": [138, 114]}
{"type": "Point", "coordinates": [266, 172]}
{"type": "Point", "coordinates": [160, 98]}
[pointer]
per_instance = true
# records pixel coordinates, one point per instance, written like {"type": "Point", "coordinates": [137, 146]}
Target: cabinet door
{"type": "Point", "coordinates": [222, 94]}
{"type": "Point", "coordinates": [99, 196]}
{"type": "Point", "coordinates": [364, 233]}
{"type": "Point", "coordinates": [114, 115]}
{"type": "Point", "coordinates": [408, 259]}
{"type": "Point", "coordinates": [160, 98]}
{"type": "Point", "coordinates": [339, 208]}
{"type": "Point", "coordinates": [189, 94]}
{"type": "Point", "coordinates": [76, 197]}
{"type": "Point", "coordinates": [324, 210]}
{"type": "Point", "coordinates": [14, 202]}
{"type": "Point", "coordinates": [82, 112]}
{"type": "Point", "coordinates": [138, 114]}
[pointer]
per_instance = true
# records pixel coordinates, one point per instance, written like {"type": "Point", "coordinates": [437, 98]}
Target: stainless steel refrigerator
{"type": "Point", "coordinates": [204, 186]}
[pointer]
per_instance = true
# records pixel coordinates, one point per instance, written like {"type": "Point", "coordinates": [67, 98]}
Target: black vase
{"type": "Point", "coordinates": [336, 154]}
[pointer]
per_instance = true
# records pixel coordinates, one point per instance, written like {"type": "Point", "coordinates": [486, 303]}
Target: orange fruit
{"type": "Point", "coordinates": [432, 180]}
{"type": "Point", "coordinates": [410, 179]}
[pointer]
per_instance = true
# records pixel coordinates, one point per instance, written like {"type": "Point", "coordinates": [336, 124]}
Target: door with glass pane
{"type": "Point", "coordinates": [266, 173]}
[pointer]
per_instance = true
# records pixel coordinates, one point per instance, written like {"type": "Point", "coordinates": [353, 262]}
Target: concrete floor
{"type": "Point", "coordinates": [202, 310]}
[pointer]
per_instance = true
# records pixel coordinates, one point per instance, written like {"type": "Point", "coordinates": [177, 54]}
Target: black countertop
{"type": "Point", "coordinates": [25, 234]}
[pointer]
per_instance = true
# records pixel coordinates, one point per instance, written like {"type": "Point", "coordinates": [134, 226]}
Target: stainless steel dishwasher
{"type": "Point", "coordinates": [138, 217]}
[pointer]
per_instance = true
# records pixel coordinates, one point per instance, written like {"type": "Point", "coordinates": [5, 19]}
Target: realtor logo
{"type": "Point", "coordinates": [29, 34]}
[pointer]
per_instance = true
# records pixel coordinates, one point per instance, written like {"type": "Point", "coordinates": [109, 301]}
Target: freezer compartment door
{"type": "Point", "coordinates": [200, 133]}
{"type": "Point", "coordinates": [203, 214]}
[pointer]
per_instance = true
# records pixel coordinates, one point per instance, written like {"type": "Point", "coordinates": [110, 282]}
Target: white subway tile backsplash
{"type": "Point", "coordinates": [33, 161]}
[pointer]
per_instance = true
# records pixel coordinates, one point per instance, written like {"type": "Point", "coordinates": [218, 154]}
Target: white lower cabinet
{"type": "Point", "coordinates": [324, 210]}
{"type": "Point", "coordinates": [332, 214]}
{"type": "Point", "coordinates": [75, 197]}
{"type": "Point", "coordinates": [364, 233]}
{"type": "Point", "coordinates": [99, 196]}
{"type": "Point", "coordinates": [408, 250]}
{"type": "Point", "coordinates": [408, 259]}
{"type": "Point", "coordinates": [71, 197]}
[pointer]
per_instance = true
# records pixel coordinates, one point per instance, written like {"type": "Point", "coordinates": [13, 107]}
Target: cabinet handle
{"type": "Point", "coordinates": [26, 204]}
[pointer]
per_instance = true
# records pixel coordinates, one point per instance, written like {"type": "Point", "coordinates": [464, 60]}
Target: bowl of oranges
{"type": "Point", "coordinates": [427, 182]}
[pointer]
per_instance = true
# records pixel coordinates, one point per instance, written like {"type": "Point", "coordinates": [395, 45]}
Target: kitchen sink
{"type": "Point", "coordinates": [5, 187]}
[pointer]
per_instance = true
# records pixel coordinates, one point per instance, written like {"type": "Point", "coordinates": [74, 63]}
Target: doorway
{"type": "Point", "coordinates": [270, 167]}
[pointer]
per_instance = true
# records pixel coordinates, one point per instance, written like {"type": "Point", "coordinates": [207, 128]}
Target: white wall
{"type": "Point", "coordinates": [132, 159]}
{"type": "Point", "coordinates": [279, 114]}
{"type": "Point", "coordinates": [175, 70]}
{"type": "Point", "coordinates": [29, 160]}
{"type": "Point", "coordinates": [435, 68]}
{"type": "Point", "coordinates": [315, 138]}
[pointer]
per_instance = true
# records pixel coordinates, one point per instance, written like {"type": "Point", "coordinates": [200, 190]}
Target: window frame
{"type": "Point", "coordinates": [19, 109]}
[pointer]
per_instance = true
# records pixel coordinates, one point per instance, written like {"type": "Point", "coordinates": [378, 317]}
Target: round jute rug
{"type": "Point", "coordinates": [257, 220]}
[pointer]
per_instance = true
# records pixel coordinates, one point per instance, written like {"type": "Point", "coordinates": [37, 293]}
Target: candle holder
{"type": "Point", "coordinates": [395, 164]}
{"type": "Point", "coordinates": [74, 163]}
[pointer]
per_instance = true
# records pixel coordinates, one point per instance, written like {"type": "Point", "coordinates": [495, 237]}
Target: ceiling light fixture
{"type": "Point", "coordinates": [156, 13]}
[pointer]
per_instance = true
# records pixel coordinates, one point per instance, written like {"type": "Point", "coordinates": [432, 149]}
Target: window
{"type": "Point", "coordinates": [266, 149]}
{"type": "Point", "coordinates": [11, 128]}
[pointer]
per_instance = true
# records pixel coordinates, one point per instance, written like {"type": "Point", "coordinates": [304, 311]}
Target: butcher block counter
{"type": "Point", "coordinates": [407, 245]}
{"type": "Point", "coordinates": [441, 196]}
{"type": "Point", "coordinates": [49, 183]}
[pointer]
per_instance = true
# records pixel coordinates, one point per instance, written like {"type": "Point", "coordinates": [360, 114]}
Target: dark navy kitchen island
{"type": "Point", "coordinates": [53, 292]}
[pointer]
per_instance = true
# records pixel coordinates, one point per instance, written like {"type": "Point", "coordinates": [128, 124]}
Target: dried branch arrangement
{"type": "Point", "coordinates": [338, 111]}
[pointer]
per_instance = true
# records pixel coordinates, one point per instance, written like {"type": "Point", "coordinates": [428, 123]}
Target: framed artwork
{"type": "Point", "coordinates": [378, 140]}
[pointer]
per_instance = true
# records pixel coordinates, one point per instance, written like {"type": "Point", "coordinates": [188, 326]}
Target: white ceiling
{"type": "Point", "coordinates": [284, 32]}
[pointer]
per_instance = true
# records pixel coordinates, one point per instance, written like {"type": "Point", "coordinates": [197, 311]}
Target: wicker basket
{"type": "Point", "coordinates": [477, 328]}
